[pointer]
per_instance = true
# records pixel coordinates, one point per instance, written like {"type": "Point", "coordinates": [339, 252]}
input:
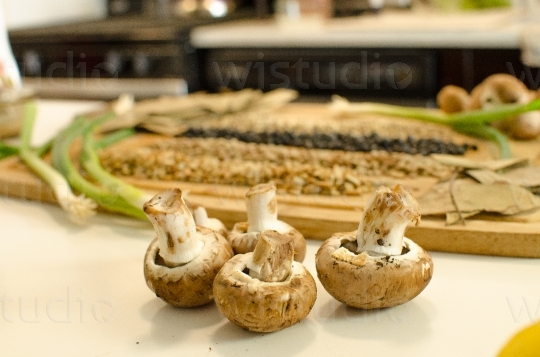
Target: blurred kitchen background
{"type": "Point", "coordinates": [395, 50]}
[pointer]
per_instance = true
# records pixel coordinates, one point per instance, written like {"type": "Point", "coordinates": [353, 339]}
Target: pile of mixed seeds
{"type": "Point", "coordinates": [294, 170]}
{"type": "Point", "coordinates": [302, 150]}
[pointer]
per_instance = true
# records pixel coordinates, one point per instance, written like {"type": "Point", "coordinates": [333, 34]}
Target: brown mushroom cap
{"type": "Point", "coordinates": [452, 99]}
{"type": "Point", "coordinates": [525, 126]}
{"type": "Point", "coordinates": [498, 89]}
{"type": "Point", "coordinates": [368, 282]}
{"type": "Point", "coordinates": [259, 306]}
{"type": "Point", "coordinates": [190, 284]}
{"type": "Point", "coordinates": [505, 89]}
{"type": "Point", "coordinates": [243, 241]}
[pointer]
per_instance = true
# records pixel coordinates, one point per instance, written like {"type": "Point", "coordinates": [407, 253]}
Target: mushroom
{"type": "Point", "coordinates": [502, 89]}
{"type": "Point", "coordinates": [265, 290]}
{"type": "Point", "coordinates": [262, 215]}
{"type": "Point", "coordinates": [182, 261]}
{"type": "Point", "coordinates": [201, 219]}
{"type": "Point", "coordinates": [453, 99]}
{"type": "Point", "coordinates": [376, 266]}
{"type": "Point", "coordinates": [499, 89]}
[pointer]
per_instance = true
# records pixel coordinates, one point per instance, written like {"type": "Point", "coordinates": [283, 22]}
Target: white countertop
{"type": "Point", "coordinates": [396, 29]}
{"type": "Point", "coordinates": [68, 290]}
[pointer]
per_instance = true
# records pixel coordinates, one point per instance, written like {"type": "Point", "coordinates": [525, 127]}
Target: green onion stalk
{"type": "Point", "coordinates": [78, 207]}
{"type": "Point", "coordinates": [91, 163]}
{"type": "Point", "coordinates": [472, 123]}
{"type": "Point", "coordinates": [61, 159]}
{"type": "Point", "coordinates": [114, 137]}
{"type": "Point", "coordinates": [7, 150]}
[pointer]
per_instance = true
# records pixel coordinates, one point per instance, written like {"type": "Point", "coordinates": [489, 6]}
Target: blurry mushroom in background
{"type": "Point", "coordinates": [182, 261]}
{"type": "Point", "coordinates": [504, 89]}
{"type": "Point", "coordinates": [265, 290]}
{"type": "Point", "coordinates": [376, 266]}
{"type": "Point", "coordinates": [499, 89]}
{"type": "Point", "coordinates": [201, 219]}
{"type": "Point", "coordinates": [453, 99]}
{"type": "Point", "coordinates": [262, 215]}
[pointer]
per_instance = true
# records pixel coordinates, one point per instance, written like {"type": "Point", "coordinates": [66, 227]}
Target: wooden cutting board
{"type": "Point", "coordinates": [318, 217]}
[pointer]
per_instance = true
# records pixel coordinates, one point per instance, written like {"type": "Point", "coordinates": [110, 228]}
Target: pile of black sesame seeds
{"type": "Point", "coordinates": [335, 141]}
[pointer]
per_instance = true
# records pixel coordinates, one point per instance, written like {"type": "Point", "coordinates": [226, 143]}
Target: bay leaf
{"type": "Point", "coordinates": [531, 216]}
{"type": "Point", "coordinates": [231, 102]}
{"type": "Point", "coordinates": [274, 99]}
{"type": "Point", "coordinates": [470, 196]}
{"type": "Point", "coordinates": [494, 165]}
{"type": "Point", "coordinates": [455, 216]}
{"type": "Point", "coordinates": [437, 200]}
{"type": "Point", "coordinates": [503, 198]}
{"type": "Point", "coordinates": [169, 104]}
{"type": "Point", "coordinates": [528, 176]}
{"type": "Point", "coordinates": [486, 177]}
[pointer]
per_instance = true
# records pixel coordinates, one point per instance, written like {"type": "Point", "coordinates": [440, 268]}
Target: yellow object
{"type": "Point", "coordinates": [526, 343]}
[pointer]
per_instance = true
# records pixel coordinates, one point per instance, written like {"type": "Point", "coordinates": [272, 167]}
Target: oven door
{"type": "Point", "coordinates": [106, 69]}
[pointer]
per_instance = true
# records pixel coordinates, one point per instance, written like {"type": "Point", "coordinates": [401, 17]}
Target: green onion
{"type": "Point", "coordinates": [7, 150]}
{"type": "Point", "coordinates": [486, 116]}
{"type": "Point", "coordinates": [62, 161]}
{"type": "Point", "coordinates": [474, 122]}
{"type": "Point", "coordinates": [91, 163]}
{"type": "Point", "coordinates": [79, 208]}
{"type": "Point", "coordinates": [114, 137]}
{"type": "Point", "coordinates": [342, 105]}
{"type": "Point", "coordinates": [10, 150]}
{"type": "Point", "coordinates": [44, 148]}
{"type": "Point", "coordinates": [489, 133]}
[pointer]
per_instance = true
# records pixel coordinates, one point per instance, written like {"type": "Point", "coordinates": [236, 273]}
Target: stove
{"type": "Point", "coordinates": [147, 56]}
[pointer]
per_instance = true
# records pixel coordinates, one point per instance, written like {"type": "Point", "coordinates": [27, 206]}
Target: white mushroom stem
{"type": "Point", "coordinates": [261, 204]}
{"type": "Point", "coordinates": [175, 228]}
{"type": "Point", "coordinates": [386, 216]}
{"type": "Point", "coordinates": [272, 258]}
{"type": "Point", "coordinates": [201, 216]}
